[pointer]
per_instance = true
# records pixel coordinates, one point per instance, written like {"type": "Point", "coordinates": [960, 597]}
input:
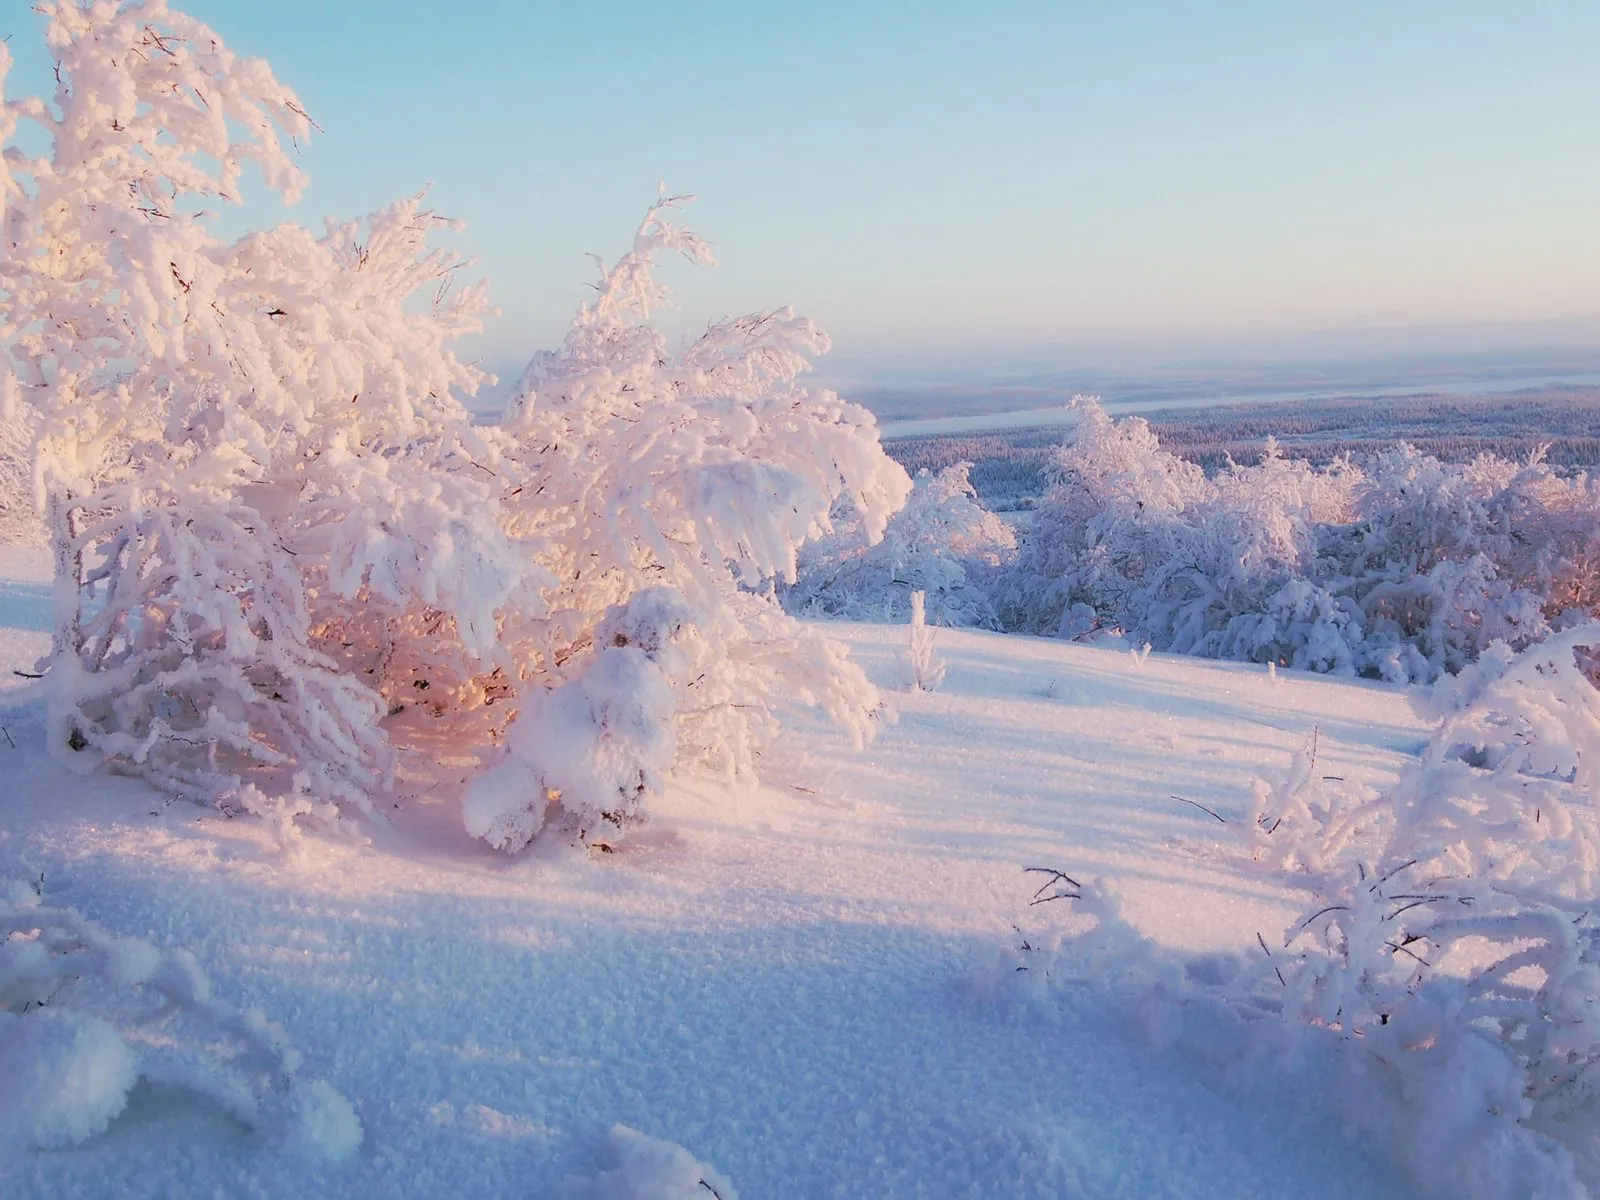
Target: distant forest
{"type": "Point", "coordinates": [1009, 466]}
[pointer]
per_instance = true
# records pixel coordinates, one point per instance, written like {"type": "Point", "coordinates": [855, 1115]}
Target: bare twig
{"type": "Point", "coordinates": [1268, 953]}
{"type": "Point", "coordinates": [1398, 947]}
{"type": "Point", "coordinates": [1055, 877]}
{"type": "Point", "coordinates": [1223, 820]}
{"type": "Point", "coordinates": [1410, 862]}
{"type": "Point", "coordinates": [1321, 912]}
{"type": "Point", "coordinates": [1413, 902]}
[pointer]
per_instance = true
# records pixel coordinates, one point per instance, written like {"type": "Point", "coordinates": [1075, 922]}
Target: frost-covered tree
{"type": "Point", "coordinates": [1403, 567]}
{"type": "Point", "coordinates": [242, 444]}
{"type": "Point", "coordinates": [274, 523]}
{"type": "Point", "coordinates": [1150, 545]}
{"type": "Point", "coordinates": [943, 543]}
{"type": "Point", "coordinates": [668, 493]}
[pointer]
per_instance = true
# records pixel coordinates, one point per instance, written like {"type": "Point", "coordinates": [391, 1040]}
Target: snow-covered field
{"type": "Point", "coordinates": [1135, 396]}
{"type": "Point", "coordinates": [798, 984]}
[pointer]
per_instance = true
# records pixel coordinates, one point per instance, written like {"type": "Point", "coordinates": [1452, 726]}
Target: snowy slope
{"type": "Point", "coordinates": [788, 982]}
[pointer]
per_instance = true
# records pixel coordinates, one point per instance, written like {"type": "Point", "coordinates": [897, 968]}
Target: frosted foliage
{"type": "Point", "coordinates": [1312, 822]}
{"type": "Point", "coordinates": [20, 520]}
{"type": "Point", "coordinates": [943, 543]}
{"type": "Point", "coordinates": [84, 1015]}
{"type": "Point", "coordinates": [596, 745]}
{"type": "Point", "coordinates": [1445, 972]}
{"type": "Point", "coordinates": [265, 500]}
{"type": "Point", "coordinates": [667, 493]}
{"type": "Point", "coordinates": [1462, 951]}
{"type": "Point", "coordinates": [923, 668]}
{"type": "Point", "coordinates": [1405, 568]}
{"type": "Point", "coordinates": [274, 524]}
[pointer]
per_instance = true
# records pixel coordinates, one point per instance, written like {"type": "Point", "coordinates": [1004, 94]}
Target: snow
{"type": "Point", "coordinates": [66, 1076]}
{"type": "Point", "coordinates": [790, 988]}
{"type": "Point", "coordinates": [650, 1169]}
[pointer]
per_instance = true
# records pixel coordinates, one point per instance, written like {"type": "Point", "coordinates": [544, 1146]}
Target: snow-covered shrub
{"type": "Point", "coordinates": [943, 543]}
{"type": "Point", "coordinates": [1461, 954]}
{"type": "Point", "coordinates": [1470, 917]}
{"type": "Point", "coordinates": [84, 1015]}
{"type": "Point", "coordinates": [923, 668]}
{"type": "Point", "coordinates": [1426, 560]}
{"type": "Point", "coordinates": [1427, 1085]}
{"type": "Point", "coordinates": [274, 523]}
{"type": "Point", "coordinates": [1151, 546]}
{"type": "Point", "coordinates": [667, 494]}
{"type": "Point", "coordinates": [1311, 824]}
{"type": "Point", "coordinates": [1444, 976]}
{"type": "Point", "coordinates": [260, 483]}
{"type": "Point", "coordinates": [1405, 568]}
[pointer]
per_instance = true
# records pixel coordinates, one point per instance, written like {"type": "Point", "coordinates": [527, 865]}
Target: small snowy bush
{"type": "Point", "coordinates": [668, 493]}
{"type": "Point", "coordinates": [1444, 977]}
{"type": "Point", "coordinates": [1310, 824]}
{"type": "Point", "coordinates": [943, 543]}
{"type": "Point", "coordinates": [924, 670]}
{"type": "Point", "coordinates": [85, 1015]}
{"type": "Point", "coordinates": [1460, 951]}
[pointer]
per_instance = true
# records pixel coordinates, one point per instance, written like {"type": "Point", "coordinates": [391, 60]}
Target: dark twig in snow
{"type": "Point", "coordinates": [1056, 877]}
{"type": "Point", "coordinates": [1321, 912]}
{"type": "Point", "coordinates": [1268, 953]}
{"type": "Point", "coordinates": [1223, 820]}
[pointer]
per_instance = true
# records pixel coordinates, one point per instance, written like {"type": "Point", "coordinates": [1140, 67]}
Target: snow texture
{"type": "Point", "coordinates": [85, 1015]}
{"type": "Point", "coordinates": [777, 977]}
{"type": "Point", "coordinates": [65, 1076]}
{"type": "Point", "coordinates": [650, 1169]}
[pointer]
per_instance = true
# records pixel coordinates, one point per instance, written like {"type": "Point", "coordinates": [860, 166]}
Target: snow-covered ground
{"type": "Point", "coordinates": [1211, 396]}
{"type": "Point", "coordinates": [797, 983]}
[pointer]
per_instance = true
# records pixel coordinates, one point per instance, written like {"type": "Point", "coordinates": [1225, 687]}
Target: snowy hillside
{"type": "Point", "coordinates": [805, 986]}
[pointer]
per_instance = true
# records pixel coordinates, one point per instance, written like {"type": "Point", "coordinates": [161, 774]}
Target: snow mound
{"type": "Point", "coordinates": [326, 1126]}
{"type": "Point", "coordinates": [648, 1168]}
{"type": "Point", "coordinates": [63, 1077]}
{"type": "Point", "coordinates": [85, 1015]}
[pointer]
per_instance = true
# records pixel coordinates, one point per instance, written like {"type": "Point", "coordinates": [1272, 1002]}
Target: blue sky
{"type": "Point", "coordinates": [973, 176]}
